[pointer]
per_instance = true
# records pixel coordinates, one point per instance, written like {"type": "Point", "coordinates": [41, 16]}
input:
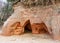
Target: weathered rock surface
{"type": "Point", "coordinates": [35, 16]}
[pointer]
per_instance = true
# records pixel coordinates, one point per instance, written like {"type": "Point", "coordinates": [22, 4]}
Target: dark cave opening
{"type": "Point", "coordinates": [28, 28]}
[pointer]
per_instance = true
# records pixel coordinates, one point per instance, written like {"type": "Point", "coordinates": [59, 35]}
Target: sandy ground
{"type": "Point", "coordinates": [28, 38]}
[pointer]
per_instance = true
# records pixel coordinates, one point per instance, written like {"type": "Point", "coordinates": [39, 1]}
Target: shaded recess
{"type": "Point", "coordinates": [27, 27]}
{"type": "Point", "coordinates": [43, 28]}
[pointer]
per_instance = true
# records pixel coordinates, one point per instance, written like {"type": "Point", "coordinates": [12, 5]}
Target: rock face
{"type": "Point", "coordinates": [39, 28]}
{"type": "Point", "coordinates": [39, 19]}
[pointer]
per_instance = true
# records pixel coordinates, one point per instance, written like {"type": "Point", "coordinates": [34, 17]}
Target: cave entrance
{"type": "Point", "coordinates": [27, 27]}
